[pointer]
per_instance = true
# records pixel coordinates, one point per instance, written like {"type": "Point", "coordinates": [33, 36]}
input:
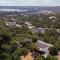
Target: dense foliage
{"type": "Point", "coordinates": [12, 37]}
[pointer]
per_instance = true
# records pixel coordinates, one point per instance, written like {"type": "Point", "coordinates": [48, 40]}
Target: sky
{"type": "Point", "coordinates": [29, 2]}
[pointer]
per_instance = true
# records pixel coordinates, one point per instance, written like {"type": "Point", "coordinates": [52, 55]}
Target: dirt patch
{"type": "Point", "coordinates": [58, 56]}
{"type": "Point", "coordinates": [27, 57]}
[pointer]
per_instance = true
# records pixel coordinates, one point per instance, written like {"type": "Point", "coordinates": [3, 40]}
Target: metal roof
{"type": "Point", "coordinates": [43, 44]}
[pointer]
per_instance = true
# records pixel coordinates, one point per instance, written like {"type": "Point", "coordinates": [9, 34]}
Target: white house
{"type": "Point", "coordinates": [18, 25]}
{"type": "Point", "coordinates": [8, 23]}
{"type": "Point", "coordinates": [52, 17]}
{"type": "Point", "coordinates": [29, 25]}
{"type": "Point", "coordinates": [43, 46]}
{"type": "Point", "coordinates": [58, 30]}
{"type": "Point", "coordinates": [12, 24]}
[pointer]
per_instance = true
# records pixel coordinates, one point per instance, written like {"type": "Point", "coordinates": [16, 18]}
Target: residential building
{"type": "Point", "coordinates": [38, 30]}
{"type": "Point", "coordinates": [9, 23]}
{"type": "Point", "coordinates": [12, 24]}
{"type": "Point", "coordinates": [58, 30]}
{"type": "Point", "coordinates": [29, 25]}
{"type": "Point", "coordinates": [44, 47]}
{"type": "Point", "coordinates": [52, 17]}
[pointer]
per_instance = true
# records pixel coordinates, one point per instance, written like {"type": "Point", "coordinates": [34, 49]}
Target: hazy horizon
{"type": "Point", "coordinates": [29, 2]}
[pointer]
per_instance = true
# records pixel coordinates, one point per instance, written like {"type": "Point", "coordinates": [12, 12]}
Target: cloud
{"type": "Point", "coordinates": [42, 2]}
{"type": "Point", "coordinates": [29, 2]}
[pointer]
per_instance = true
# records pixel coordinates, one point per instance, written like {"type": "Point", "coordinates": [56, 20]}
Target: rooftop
{"type": "Point", "coordinates": [43, 44]}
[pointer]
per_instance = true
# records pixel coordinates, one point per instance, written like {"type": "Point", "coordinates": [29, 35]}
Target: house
{"type": "Point", "coordinates": [44, 47]}
{"type": "Point", "coordinates": [18, 25]}
{"type": "Point", "coordinates": [38, 30]}
{"type": "Point", "coordinates": [29, 25]}
{"type": "Point", "coordinates": [13, 19]}
{"type": "Point", "coordinates": [52, 17]}
{"type": "Point", "coordinates": [58, 30]}
{"type": "Point", "coordinates": [9, 23]}
{"type": "Point", "coordinates": [12, 24]}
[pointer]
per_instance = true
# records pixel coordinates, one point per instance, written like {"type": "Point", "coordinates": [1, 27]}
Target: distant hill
{"type": "Point", "coordinates": [33, 8]}
{"type": "Point", "coordinates": [8, 10]}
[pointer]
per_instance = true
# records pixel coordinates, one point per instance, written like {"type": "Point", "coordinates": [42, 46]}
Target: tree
{"type": "Point", "coordinates": [34, 39]}
{"type": "Point", "coordinates": [39, 58]}
{"type": "Point", "coordinates": [22, 51]}
{"type": "Point", "coordinates": [51, 57]}
{"type": "Point", "coordinates": [4, 39]}
{"type": "Point", "coordinates": [53, 51]}
{"type": "Point", "coordinates": [32, 46]}
{"type": "Point", "coordinates": [57, 44]}
{"type": "Point", "coordinates": [5, 56]}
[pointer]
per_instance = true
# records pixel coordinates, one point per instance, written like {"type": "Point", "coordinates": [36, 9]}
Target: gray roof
{"type": "Point", "coordinates": [38, 30]}
{"type": "Point", "coordinates": [42, 44]}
